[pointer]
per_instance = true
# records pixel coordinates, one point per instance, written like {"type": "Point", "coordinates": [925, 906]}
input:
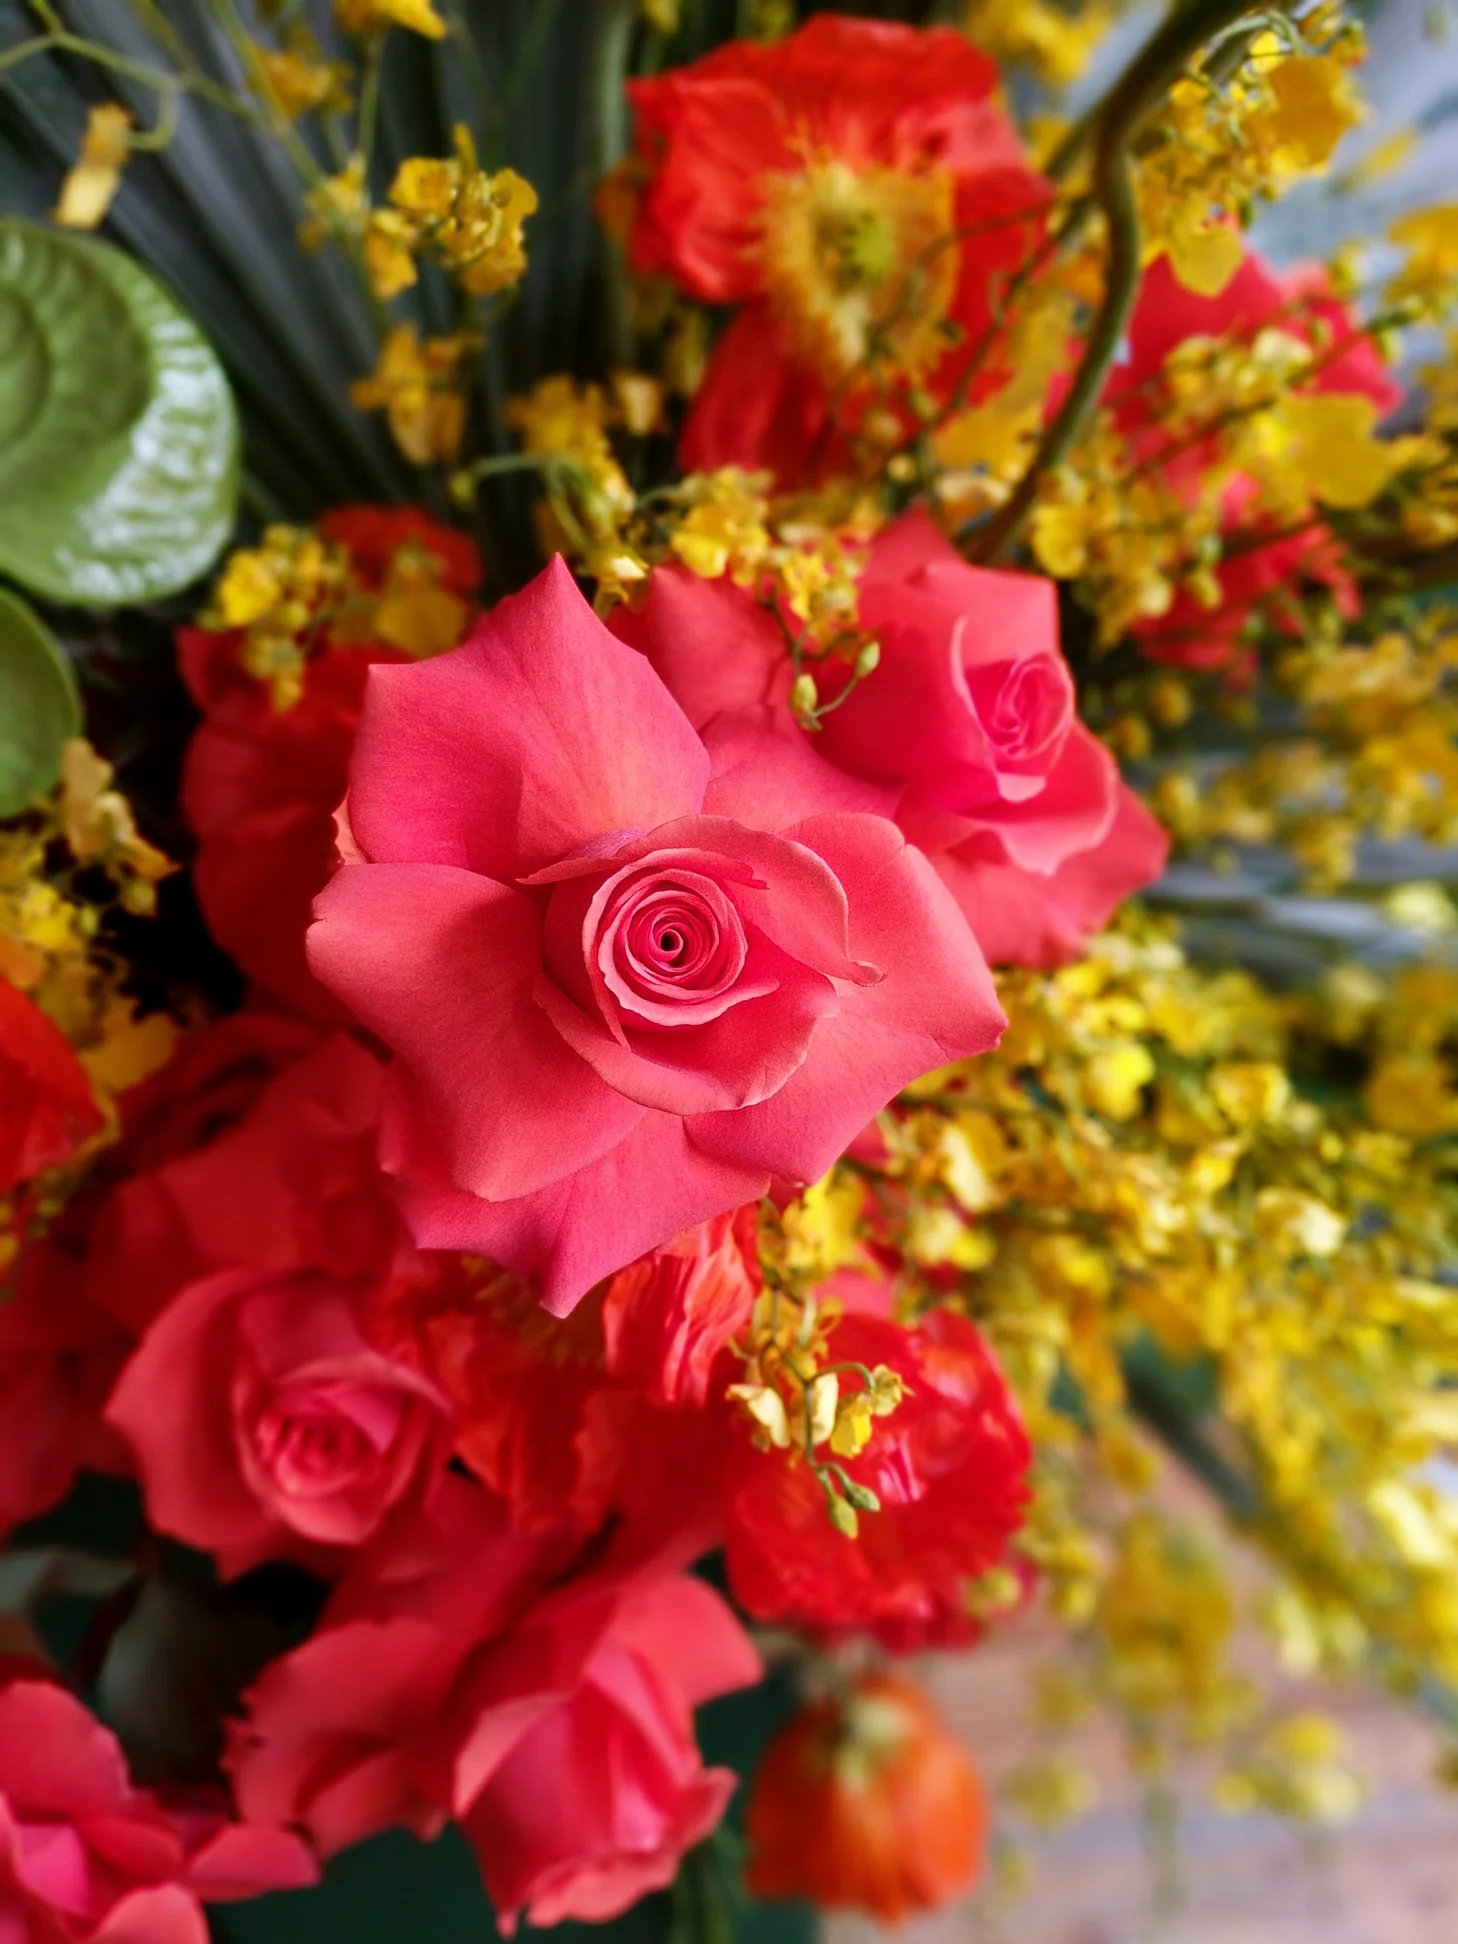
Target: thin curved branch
{"type": "Point", "coordinates": [1144, 84]}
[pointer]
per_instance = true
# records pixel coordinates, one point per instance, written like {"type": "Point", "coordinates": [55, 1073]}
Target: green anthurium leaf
{"type": "Point", "coordinates": [149, 506]}
{"type": "Point", "coordinates": [73, 365]}
{"type": "Point", "coordinates": [38, 706]}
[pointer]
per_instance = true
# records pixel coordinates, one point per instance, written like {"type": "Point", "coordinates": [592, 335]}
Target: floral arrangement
{"type": "Point", "coordinates": [726, 785]}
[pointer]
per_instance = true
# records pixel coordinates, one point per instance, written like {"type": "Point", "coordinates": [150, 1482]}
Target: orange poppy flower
{"type": "Point", "coordinates": [867, 1802]}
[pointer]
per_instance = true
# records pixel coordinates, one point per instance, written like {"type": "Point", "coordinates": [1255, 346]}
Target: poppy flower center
{"type": "Point", "coordinates": [851, 263]}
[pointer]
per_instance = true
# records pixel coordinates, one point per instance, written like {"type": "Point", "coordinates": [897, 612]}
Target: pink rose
{"type": "Point", "coordinates": [972, 713]}
{"type": "Point", "coordinates": [577, 1781]}
{"type": "Point", "coordinates": [555, 1726]}
{"type": "Point", "coordinates": [967, 730]}
{"type": "Point", "coordinates": [335, 1736]}
{"type": "Point", "coordinates": [86, 1856]}
{"type": "Point", "coordinates": [629, 979]}
{"type": "Point", "coordinates": [265, 1423]}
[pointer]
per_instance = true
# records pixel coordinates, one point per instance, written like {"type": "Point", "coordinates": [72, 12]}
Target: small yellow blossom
{"type": "Point", "coordinates": [822, 1406]}
{"type": "Point", "coordinates": [639, 399]}
{"type": "Point", "coordinates": [1412, 1094]}
{"type": "Point", "coordinates": [1204, 253]}
{"type": "Point", "coordinates": [296, 81]}
{"type": "Point", "coordinates": [417, 385]}
{"type": "Point", "coordinates": [1114, 1081]}
{"type": "Point", "coordinates": [1340, 459]}
{"type": "Point", "coordinates": [766, 1408]}
{"type": "Point", "coordinates": [719, 534]}
{"type": "Point", "coordinates": [822, 1228]}
{"type": "Point", "coordinates": [1060, 537]}
{"type": "Point", "coordinates": [1297, 1223]}
{"type": "Point", "coordinates": [1314, 105]}
{"type": "Point", "coordinates": [373, 16]}
{"type": "Point", "coordinates": [97, 823]}
{"type": "Point", "coordinates": [1429, 237]}
{"type": "Point", "coordinates": [337, 206]}
{"type": "Point", "coordinates": [853, 1426]}
{"type": "Point", "coordinates": [91, 184]}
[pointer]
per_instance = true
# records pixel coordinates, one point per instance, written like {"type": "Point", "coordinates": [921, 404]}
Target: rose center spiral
{"type": "Point", "coordinates": [668, 937]}
{"type": "Point", "coordinates": [1025, 708]}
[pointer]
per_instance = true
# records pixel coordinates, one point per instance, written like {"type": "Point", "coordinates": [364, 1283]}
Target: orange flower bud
{"type": "Point", "coordinates": [867, 1802]}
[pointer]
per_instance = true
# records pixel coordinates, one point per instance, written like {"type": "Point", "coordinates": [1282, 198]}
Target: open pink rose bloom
{"type": "Point", "coordinates": [632, 973]}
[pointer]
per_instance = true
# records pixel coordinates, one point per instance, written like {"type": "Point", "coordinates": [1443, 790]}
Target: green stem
{"type": "Point", "coordinates": [369, 100]}
{"type": "Point", "coordinates": [616, 22]}
{"type": "Point", "coordinates": [151, 141]}
{"type": "Point", "coordinates": [1163, 60]}
{"type": "Point", "coordinates": [105, 57]}
{"type": "Point", "coordinates": [514, 462]}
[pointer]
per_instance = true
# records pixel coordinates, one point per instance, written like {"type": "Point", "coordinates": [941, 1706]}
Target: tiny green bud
{"type": "Point", "coordinates": [861, 1497]}
{"type": "Point", "coordinates": [868, 660]}
{"type": "Point", "coordinates": [841, 1516]}
{"type": "Point", "coordinates": [804, 696]}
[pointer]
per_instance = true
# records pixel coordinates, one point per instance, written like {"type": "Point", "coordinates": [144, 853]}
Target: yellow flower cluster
{"type": "Point", "coordinates": [1136, 515]}
{"type": "Point", "coordinates": [1171, 1183]}
{"type": "Point", "coordinates": [297, 591]}
{"type": "Point", "coordinates": [802, 1402]}
{"type": "Point", "coordinates": [1223, 143]}
{"type": "Point", "coordinates": [453, 213]}
{"type": "Point", "coordinates": [566, 421]}
{"type": "Point", "coordinates": [1375, 753]}
{"type": "Point", "coordinates": [53, 947]}
{"type": "Point", "coordinates": [800, 556]}
{"type": "Point", "coordinates": [1054, 42]}
{"type": "Point", "coordinates": [279, 594]}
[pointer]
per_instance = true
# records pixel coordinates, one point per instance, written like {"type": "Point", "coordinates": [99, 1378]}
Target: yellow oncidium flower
{"type": "Point", "coordinates": [416, 383]}
{"type": "Point", "coordinates": [452, 211]}
{"type": "Point", "coordinates": [92, 182]}
{"type": "Point", "coordinates": [97, 823]}
{"type": "Point", "coordinates": [373, 16]}
{"type": "Point", "coordinates": [275, 594]}
{"type": "Point", "coordinates": [297, 80]}
{"type": "Point", "coordinates": [1055, 42]}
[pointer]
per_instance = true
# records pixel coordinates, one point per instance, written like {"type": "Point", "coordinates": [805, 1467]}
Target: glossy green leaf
{"type": "Point", "coordinates": [38, 706]}
{"type": "Point", "coordinates": [73, 366]}
{"type": "Point", "coordinates": [145, 508]}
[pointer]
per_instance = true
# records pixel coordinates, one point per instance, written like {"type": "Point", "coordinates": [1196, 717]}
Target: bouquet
{"type": "Point", "coordinates": [726, 794]}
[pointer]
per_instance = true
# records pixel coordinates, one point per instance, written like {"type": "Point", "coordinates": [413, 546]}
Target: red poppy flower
{"type": "Point", "coordinates": [857, 190]}
{"type": "Point", "coordinates": [948, 1467]}
{"type": "Point", "coordinates": [46, 1105]}
{"type": "Point", "coordinates": [1258, 562]}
